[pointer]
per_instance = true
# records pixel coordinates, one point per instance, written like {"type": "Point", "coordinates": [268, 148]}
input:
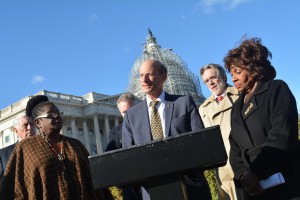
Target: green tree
{"type": "Point", "coordinates": [211, 179]}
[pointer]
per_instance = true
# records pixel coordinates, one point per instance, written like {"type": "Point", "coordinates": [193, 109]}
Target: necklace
{"type": "Point", "coordinates": [60, 156]}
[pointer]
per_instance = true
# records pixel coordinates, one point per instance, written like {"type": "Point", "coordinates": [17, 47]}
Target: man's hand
{"type": "Point", "coordinates": [250, 183]}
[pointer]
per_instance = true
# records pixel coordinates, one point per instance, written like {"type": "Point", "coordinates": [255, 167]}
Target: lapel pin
{"type": "Point", "coordinates": [249, 108]}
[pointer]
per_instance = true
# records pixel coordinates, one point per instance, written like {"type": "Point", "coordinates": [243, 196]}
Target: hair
{"type": "Point", "coordinates": [162, 67]}
{"type": "Point", "coordinates": [252, 56]}
{"type": "Point", "coordinates": [127, 97]}
{"type": "Point", "coordinates": [39, 108]}
{"type": "Point", "coordinates": [36, 104]}
{"type": "Point", "coordinates": [18, 119]}
{"type": "Point", "coordinates": [35, 100]}
{"type": "Point", "coordinates": [219, 69]}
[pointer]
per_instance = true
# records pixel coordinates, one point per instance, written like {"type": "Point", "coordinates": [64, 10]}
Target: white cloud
{"type": "Point", "coordinates": [37, 79]}
{"type": "Point", "coordinates": [93, 17]}
{"type": "Point", "coordinates": [210, 6]}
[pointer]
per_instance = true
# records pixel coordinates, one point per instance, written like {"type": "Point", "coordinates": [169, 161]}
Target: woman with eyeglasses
{"type": "Point", "coordinates": [49, 165]}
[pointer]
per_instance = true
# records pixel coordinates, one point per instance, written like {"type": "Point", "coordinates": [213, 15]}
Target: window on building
{"type": "Point", "coordinates": [80, 131]}
{"type": "Point", "coordinates": [69, 130]}
{"type": "Point", "coordinates": [7, 139]}
{"type": "Point", "coordinates": [93, 149]}
{"type": "Point", "coordinates": [91, 132]}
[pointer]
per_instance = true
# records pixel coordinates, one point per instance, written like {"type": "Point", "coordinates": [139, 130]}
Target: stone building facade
{"type": "Point", "coordinates": [88, 118]}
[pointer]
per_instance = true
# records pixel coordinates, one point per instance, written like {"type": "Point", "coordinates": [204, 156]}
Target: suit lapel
{"type": "Point", "coordinates": [252, 105]}
{"type": "Point", "coordinates": [169, 106]}
{"type": "Point", "coordinates": [238, 107]}
{"type": "Point", "coordinates": [249, 108]}
{"type": "Point", "coordinates": [224, 105]}
{"type": "Point", "coordinates": [145, 122]}
{"type": "Point", "coordinates": [240, 123]}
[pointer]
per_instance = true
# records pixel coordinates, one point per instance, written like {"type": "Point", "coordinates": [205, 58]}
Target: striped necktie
{"type": "Point", "coordinates": [156, 127]}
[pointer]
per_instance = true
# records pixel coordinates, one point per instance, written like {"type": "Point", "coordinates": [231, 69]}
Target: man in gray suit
{"type": "Point", "coordinates": [178, 114]}
{"type": "Point", "coordinates": [23, 128]}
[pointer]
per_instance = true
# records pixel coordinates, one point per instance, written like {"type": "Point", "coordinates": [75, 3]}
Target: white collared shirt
{"type": "Point", "coordinates": [160, 108]}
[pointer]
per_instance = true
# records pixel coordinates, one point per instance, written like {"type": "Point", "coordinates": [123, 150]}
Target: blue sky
{"type": "Point", "coordinates": [78, 46]}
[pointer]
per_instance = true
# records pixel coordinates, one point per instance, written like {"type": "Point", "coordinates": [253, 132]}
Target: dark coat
{"type": "Point", "coordinates": [115, 138]}
{"type": "Point", "coordinates": [181, 115]}
{"type": "Point", "coordinates": [264, 136]}
{"type": "Point", "coordinates": [4, 157]}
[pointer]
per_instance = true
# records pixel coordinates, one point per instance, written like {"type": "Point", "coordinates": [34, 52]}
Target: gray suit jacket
{"type": "Point", "coordinates": [181, 116]}
{"type": "Point", "coordinates": [4, 157]}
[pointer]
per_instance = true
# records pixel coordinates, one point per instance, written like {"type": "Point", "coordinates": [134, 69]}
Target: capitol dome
{"type": "Point", "coordinates": [180, 81]}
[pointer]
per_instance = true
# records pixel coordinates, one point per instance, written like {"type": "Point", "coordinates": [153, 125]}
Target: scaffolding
{"type": "Point", "coordinates": [180, 81]}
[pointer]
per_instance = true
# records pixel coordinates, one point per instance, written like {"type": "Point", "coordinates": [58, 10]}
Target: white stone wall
{"type": "Point", "coordinates": [88, 118]}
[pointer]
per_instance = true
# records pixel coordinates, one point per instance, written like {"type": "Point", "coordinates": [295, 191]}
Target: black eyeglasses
{"type": "Point", "coordinates": [50, 115]}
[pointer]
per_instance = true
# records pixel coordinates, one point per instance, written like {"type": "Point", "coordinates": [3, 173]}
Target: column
{"type": "Point", "coordinates": [74, 128]}
{"type": "Point", "coordinates": [106, 127]}
{"type": "Point", "coordinates": [116, 120]}
{"type": "Point", "coordinates": [64, 130]}
{"type": "Point", "coordinates": [1, 137]}
{"type": "Point", "coordinates": [15, 137]}
{"type": "Point", "coordinates": [97, 133]}
{"type": "Point", "coordinates": [86, 136]}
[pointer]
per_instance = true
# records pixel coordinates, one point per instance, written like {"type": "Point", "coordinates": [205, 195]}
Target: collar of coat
{"type": "Point", "coordinates": [263, 86]}
{"type": "Point", "coordinates": [251, 105]}
{"type": "Point", "coordinates": [229, 91]}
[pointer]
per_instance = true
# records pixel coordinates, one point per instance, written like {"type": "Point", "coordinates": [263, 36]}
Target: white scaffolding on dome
{"type": "Point", "coordinates": [180, 81]}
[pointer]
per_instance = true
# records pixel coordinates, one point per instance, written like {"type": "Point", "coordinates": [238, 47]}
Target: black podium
{"type": "Point", "coordinates": [160, 164]}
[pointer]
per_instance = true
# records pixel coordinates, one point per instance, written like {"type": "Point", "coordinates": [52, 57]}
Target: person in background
{"type": "Point", "coordinates": [48, 165]}
{"type": "Point", "coordinates": [216, 110]}
{"type": "Point", "coordinates": [124, 102]}
{"type": "Point", "coordinates": [162, 115]}
{"type": "Point", "coordinates": [23, 127]}
{"type": "Point", "coordinates": [264, 126]}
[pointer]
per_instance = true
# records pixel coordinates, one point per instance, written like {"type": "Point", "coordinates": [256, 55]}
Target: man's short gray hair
{"type": "Point", "coordinates": [219, 69]}
{"type": "Point", "coordinates": [127, 97]}
{"type": "Point", "coordinates": [18, 119]}
{"type": "Point", "coordinates": [162, 68]}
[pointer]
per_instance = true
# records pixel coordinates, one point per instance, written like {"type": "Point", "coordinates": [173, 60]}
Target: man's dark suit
{"type": "Point", "coordinates": [115, 138]}
{"type": "Point", "coordinates": [4, 157]}
{"type": "Point", "coordinates": [181, 115]}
